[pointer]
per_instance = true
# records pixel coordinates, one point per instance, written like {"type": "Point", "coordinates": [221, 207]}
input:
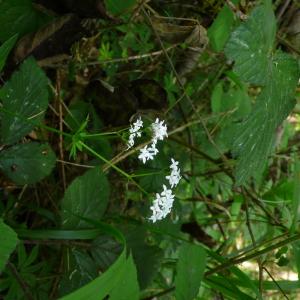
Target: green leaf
{"type": "Point", "coordinates": [87, 196]}
{"type": "Point", "coordinates": [5, 49]}
{"type": "Point", "coordinates": [81, 269]}
{"type": "Point", "coordinates": [101, 286]}
{"type": "Point", "coordinates": [136, 241]}
{"type": "Point", "coordinates": [127, 286]}
{"type": "Point", "coordinates": [8, 243]}
{"type": "Point", "coordinates": [105, 250]}
{"type": "Point", "coordinates": [235, 101]}
{"type": "Point", "coordinates": [18, 17]}
{"type": "Point", "coordinates": [27, 163]}
{"type": "Point", "coordinates": [190, 270]}
{"type": "Point", "coordinates": [254, 139]}
{"type": "Point", "coordinates": [220, 29]}
{"type": "Point", "coordinates": [251, 44]}
{"type": "Point", "coordinates": [116, 7]}
{"type": "Point", "coordinates": [119, 281]}
{"type": "Point", "coordinates": [25, 99]}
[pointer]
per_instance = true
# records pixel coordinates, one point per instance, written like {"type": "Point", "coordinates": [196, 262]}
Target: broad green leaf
{"type": "Point", "coordinates": [27, 163]}
{"type": "Point", "coordinates": [101, 286]}
{"type": "Point", "coordinates": [254, 139]}
{"type": "Point", "coordinates": [5, 48]}
{"type": "Point", "coordinates": [127, 286]}
{"type": "Point", "coordinates": [105, 250]}
{"type": "Point", "coordinates": [25, 99]}
{"type": "Point", "coordinates": [220, 29]}
{"type": "Point", "coordinates": [251, 44]}
{"type": "Point", "coordinates": [136, 242]}
{"type": "Point", "coordinates": [8, 243]}
{"type": "Point", "coordinates": [190, 269]}
{"type": "Point", "coordinates": [251, 47]}
{"type": "Point", "coordinates": [80, 270]}
{"type": "Point", "coordinates": [119, 282]}
{"type": "Point", "coordinates": [87, 196]}
{"type": "Point", "coordinates": [116, 7]}
{"type": "Point", "coordinates": [18, 17]}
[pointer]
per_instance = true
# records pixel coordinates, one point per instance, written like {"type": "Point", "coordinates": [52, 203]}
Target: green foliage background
{"type": "Point", "coordinates": [75, 202]}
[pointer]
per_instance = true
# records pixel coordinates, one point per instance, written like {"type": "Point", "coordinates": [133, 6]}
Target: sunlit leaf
{"type": "Point", "coordinates": [251, 47]}
{"type": "Point", "coordinates": [255, 136]}
{"type": "Point", "coordinates": [25, 100]}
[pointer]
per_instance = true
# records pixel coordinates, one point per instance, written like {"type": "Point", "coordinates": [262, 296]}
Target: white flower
{"type": "Point", "coordinates": [162, 205]}
{"type": "Point", "coordinates": [174, 177]}
{"type": "Point", "coordinates": [174, 164]}
{"type": "Point", "coordinates": [134, 132]}
{"type": "Point", "coordinates": [159, 130]}
{"type": "Point", "coordinates": [146, 153]}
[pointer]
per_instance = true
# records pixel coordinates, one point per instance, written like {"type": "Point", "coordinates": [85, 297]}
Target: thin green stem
{"type": "Point", "coordinates": [234, 261]}
{"type": "Point", "coordinates": [129, 177]}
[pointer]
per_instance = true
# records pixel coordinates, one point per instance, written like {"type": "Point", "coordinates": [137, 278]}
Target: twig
{"type": "Point", "coordinates": [276, 283]}
{"type": "Point", "coordinates": [162, 293]}
{"type": "Point", "coordinates": [61, 128]}
{"type": "Point", "coordinates": [130, 58]}
{"type": "Point", "coordinates": [248, 224]}
{"type": "Point", "coordinates": [235, 261]}
{"type": "Point", "coordinates": [74, 164]}
{"type": "Point", "coordinates": [283, 9]}
{"type": "Point", "coordinates": [182, 86]}
{"type": "Point", "coordinates": [286, 43]}
{"type": "Point", "coordinates": [208, 208]}
{"type": "Point", "coordinates": [236, 11]}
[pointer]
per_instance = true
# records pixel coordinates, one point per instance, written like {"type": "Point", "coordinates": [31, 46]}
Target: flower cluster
{"type": "Point", "coordinates": [174, 177]}
{"type": "Point", "coordinates": [159, 132]}
{"type": "Point", "coordinates": [135, 131]}
{"type": "Point", "coordinates": [163, 202]}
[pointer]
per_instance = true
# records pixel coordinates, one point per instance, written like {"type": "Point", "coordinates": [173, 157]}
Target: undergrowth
{"type": "Point", "coordinates": [149, 150]}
